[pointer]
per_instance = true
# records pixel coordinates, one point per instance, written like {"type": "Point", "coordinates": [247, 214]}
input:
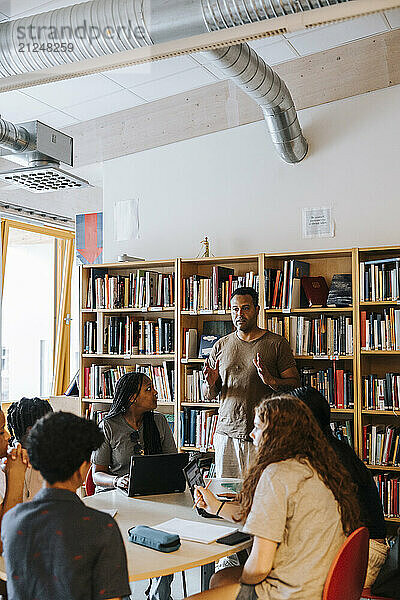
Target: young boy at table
{"type": "Point", "coordinates": [55, 547]}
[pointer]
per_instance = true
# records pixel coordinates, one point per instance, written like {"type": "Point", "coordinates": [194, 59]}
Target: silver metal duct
{"type": "Point", "coordinates": [42, 148]}
{"type": "Point", "coordinates": [13, 137]}
{"type": "Point", "coordinates": [249, 71]}
{"type": "Point", "coordinates": [102, 27]}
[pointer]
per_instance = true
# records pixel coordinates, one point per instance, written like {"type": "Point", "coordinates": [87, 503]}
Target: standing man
{"type": "Point", "coordinates": [244, 367]}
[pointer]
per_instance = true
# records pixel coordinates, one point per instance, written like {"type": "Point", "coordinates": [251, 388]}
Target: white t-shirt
{"type": "Point", "coordinates": [293, 507]}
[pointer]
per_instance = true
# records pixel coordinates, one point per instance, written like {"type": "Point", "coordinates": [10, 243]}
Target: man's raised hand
{"type": "Point", "coordinates": [211, 375]}
{"type": "Point", "coordinates": [263, 372]}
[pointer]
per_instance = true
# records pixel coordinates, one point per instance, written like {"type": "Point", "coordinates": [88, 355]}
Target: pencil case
{"type": "Point", "coordinates": [154, 538]}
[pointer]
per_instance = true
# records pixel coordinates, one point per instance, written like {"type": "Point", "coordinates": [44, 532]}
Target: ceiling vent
{"type": "Point", "coordinates": [41, 148]}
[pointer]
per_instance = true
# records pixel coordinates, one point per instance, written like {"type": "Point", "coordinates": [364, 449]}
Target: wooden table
{"type": "Point", "coordinates": [144, 563]}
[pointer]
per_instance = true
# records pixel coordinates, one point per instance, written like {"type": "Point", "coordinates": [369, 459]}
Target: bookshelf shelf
{"type": "Point", "coordinates": [367, 411]}
{"type": "Point", "coordinates": [195, 449]}
{"type": "Point", "coordinates": [324, 357]}
{"type": "Point", "coordinates": [143, 311]}
{"type": "Point", "coordinates": [98, 400]}
{"type": "Point", "coordinates": [380, 352]}
{"type": "Point", "coordinates": [202, 404]}
{"type": "Point", "coordinates": [132, 356]}
{"type": "Point", "coordinates": [382, 468]}
{"type": "Point", "coordinates": [379, 302]}
{"type": "Point", "coordinates": [188, 361]}
{"type": "Point", "coordinates": [201, 313]}
{"type": "Point", "coordinates": [296, 311]}
{"type": "Point", "coordinates": [342, 410]}
{"type": "Point", "coordinates": [392, 519]}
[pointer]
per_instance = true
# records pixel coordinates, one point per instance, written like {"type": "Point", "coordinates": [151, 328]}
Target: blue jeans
{"type": "Point", "coordinates": [161, 588]}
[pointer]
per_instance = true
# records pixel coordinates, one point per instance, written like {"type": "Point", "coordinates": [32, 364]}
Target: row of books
{"type": "Point", "coordinates": [283, 285]}
{"type": "Point", "coordinates": [389, 491]}
{"type": "Point", "coordinates": [343, 430]}
{"type": "Point", "coordinates": [129, 337]}
{"type": "Point", "coordinates": [198, 428]}
{"type": "Point", "coordinates": [193, 385]}
{"type": "Point", "coordinates": [99, 381]}
{"type": "Point", "coordinates": [321, 336]}
{"type": "Point", "coordinates": [381, 393]}
{"type": "Point", "coordinates": [89, 345]}
{"type": "Point", "coordinates": [292, 287]}
{"type": "Point", "coordinates": [381, 445]}
{"type": "Point", "coordinates": [212, 331]}
{"type": "Point", "coordinates": [335, 384]}
{"type": "Point", "coordinates": [94, 414]}
{"type": "Point", "coordinates": [279, 325]}
{"type": "Point", "coordinates": [123, 335]}
{"type": "Point", "coordinates": [140, 289]}
{"type": "Point", "coordinates": [200, 292]}
{"type": "Point", "coordinates": [380, 331]}
{"type": "Point", "coordinates": [379, 280]}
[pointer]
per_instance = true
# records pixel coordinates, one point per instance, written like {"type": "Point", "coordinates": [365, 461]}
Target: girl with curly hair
{"type": "Point", "coordinates": [297, 501]}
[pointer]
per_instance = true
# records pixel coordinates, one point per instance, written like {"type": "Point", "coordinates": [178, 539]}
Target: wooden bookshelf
{"type": "Point", "coordinates": [375, 361]}
{"type": "Point", "coordinates": [326, 263]}
{"type": "Point", "coordinates": [136, 313]}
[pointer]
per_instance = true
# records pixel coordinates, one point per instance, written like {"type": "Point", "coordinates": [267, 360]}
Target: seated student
{"type": "Point", "coordinates": [367, 493]}
{"type": "Point", "coordinates": [297, 501]}
{"type": "Point", "coordinates": [13, 475]}
{"type": "Point", "coordinates": [131, 427]}
{"type": "Point", "coordinates": [55, 547]}
{"type": "Point", "coordinates": [21, 416]}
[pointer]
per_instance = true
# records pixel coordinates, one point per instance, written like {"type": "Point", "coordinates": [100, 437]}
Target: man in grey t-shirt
{"type": "Point", "coordinates": [244, 367]}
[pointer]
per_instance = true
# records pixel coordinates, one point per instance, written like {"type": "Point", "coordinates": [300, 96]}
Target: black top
{"type": "Point", "coordinates": [368, 497]}
{"type": "Point", "coordinates": [56, 548]}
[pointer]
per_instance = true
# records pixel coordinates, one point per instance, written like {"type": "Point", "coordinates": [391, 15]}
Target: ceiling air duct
{"type": "Point", "coordinates": [104, 27]}
{"type": "Point", "coordinates": [41, 148]}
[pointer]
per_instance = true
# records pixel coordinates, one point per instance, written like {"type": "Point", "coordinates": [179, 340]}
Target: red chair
{"type": "Point", "coordinates": [366, 593]}
{"type": "Point", "coordinates": [347, 574]}
{"type": "Point", "coordinates": [89, 483]}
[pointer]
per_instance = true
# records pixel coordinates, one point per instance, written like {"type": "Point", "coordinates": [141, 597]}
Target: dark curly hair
{"type": "Point", "coordinates": [24, 414]}
{"type": "Point", "coordinates": [291, 431]}
{"type": "Point", "coordinates": [59, 443]}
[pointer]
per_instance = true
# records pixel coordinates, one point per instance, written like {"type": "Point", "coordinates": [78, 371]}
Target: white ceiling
{"type": "Point", "coordinates": [72, 101]}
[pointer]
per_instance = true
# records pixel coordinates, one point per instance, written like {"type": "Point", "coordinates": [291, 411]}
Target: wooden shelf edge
{"type": "Point", "coordinates": [382, 467]}
{"type": "Point", "coordinates": [324, 357]}
{"type": "Point", "coordinates": [322, 309]}
{"type": "Point", "coordinates": [131, 356]}
{"type": "Point", "coordinates": [144, 311]}
{"type": "Point", "coordinates": [390, 413]}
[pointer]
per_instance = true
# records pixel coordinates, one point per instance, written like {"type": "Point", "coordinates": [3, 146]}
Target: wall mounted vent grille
{"type": "Point", "coordinates": [43, 179]}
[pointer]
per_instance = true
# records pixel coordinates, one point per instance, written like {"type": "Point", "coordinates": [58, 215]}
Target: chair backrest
{"type": "Point", "coordinates": [89, 483]}
{"type": "Point", "coordinates": [346, 576]}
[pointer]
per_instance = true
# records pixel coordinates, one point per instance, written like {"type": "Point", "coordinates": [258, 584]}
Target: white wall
{"type": "Point", "coordinates": [232, 186]}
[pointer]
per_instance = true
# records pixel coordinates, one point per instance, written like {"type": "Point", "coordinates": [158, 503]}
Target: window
{"type": "Point", "coordinates": [36, 310]}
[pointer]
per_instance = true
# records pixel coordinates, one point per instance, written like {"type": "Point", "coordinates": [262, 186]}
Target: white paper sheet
{"type": "Point", "coordinates": [194, 531]}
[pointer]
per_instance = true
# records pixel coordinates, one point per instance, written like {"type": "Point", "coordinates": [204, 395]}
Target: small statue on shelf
{"type": "Point", "coordinates": [205, 251]}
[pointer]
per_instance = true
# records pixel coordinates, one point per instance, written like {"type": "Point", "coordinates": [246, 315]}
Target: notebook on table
{"type": "Point", "coordinates": [194, 531]}
{"type": "Point", "coordinates": [157, 474]}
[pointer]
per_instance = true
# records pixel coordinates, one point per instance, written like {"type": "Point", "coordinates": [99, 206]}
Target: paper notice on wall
{"type": "Point", "coordinates": [126, 220]}
{"type": "Point", "coordinates": [318, 223]}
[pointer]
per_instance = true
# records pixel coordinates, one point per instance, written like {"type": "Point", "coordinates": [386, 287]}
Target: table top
{"type": "Point", "coordinates": [144, 563]}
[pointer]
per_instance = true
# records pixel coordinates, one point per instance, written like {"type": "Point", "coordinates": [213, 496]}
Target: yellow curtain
{"type": "Point", "coordinates": [63, 297]}
{"type": "Point", "coordinates": [64, 256]}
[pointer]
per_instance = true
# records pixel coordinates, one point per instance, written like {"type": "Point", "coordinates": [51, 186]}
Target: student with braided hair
{"type": "Point", "coordinates": [21, 417]}
{"type": "Point", "coordinates": [132, 427]}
